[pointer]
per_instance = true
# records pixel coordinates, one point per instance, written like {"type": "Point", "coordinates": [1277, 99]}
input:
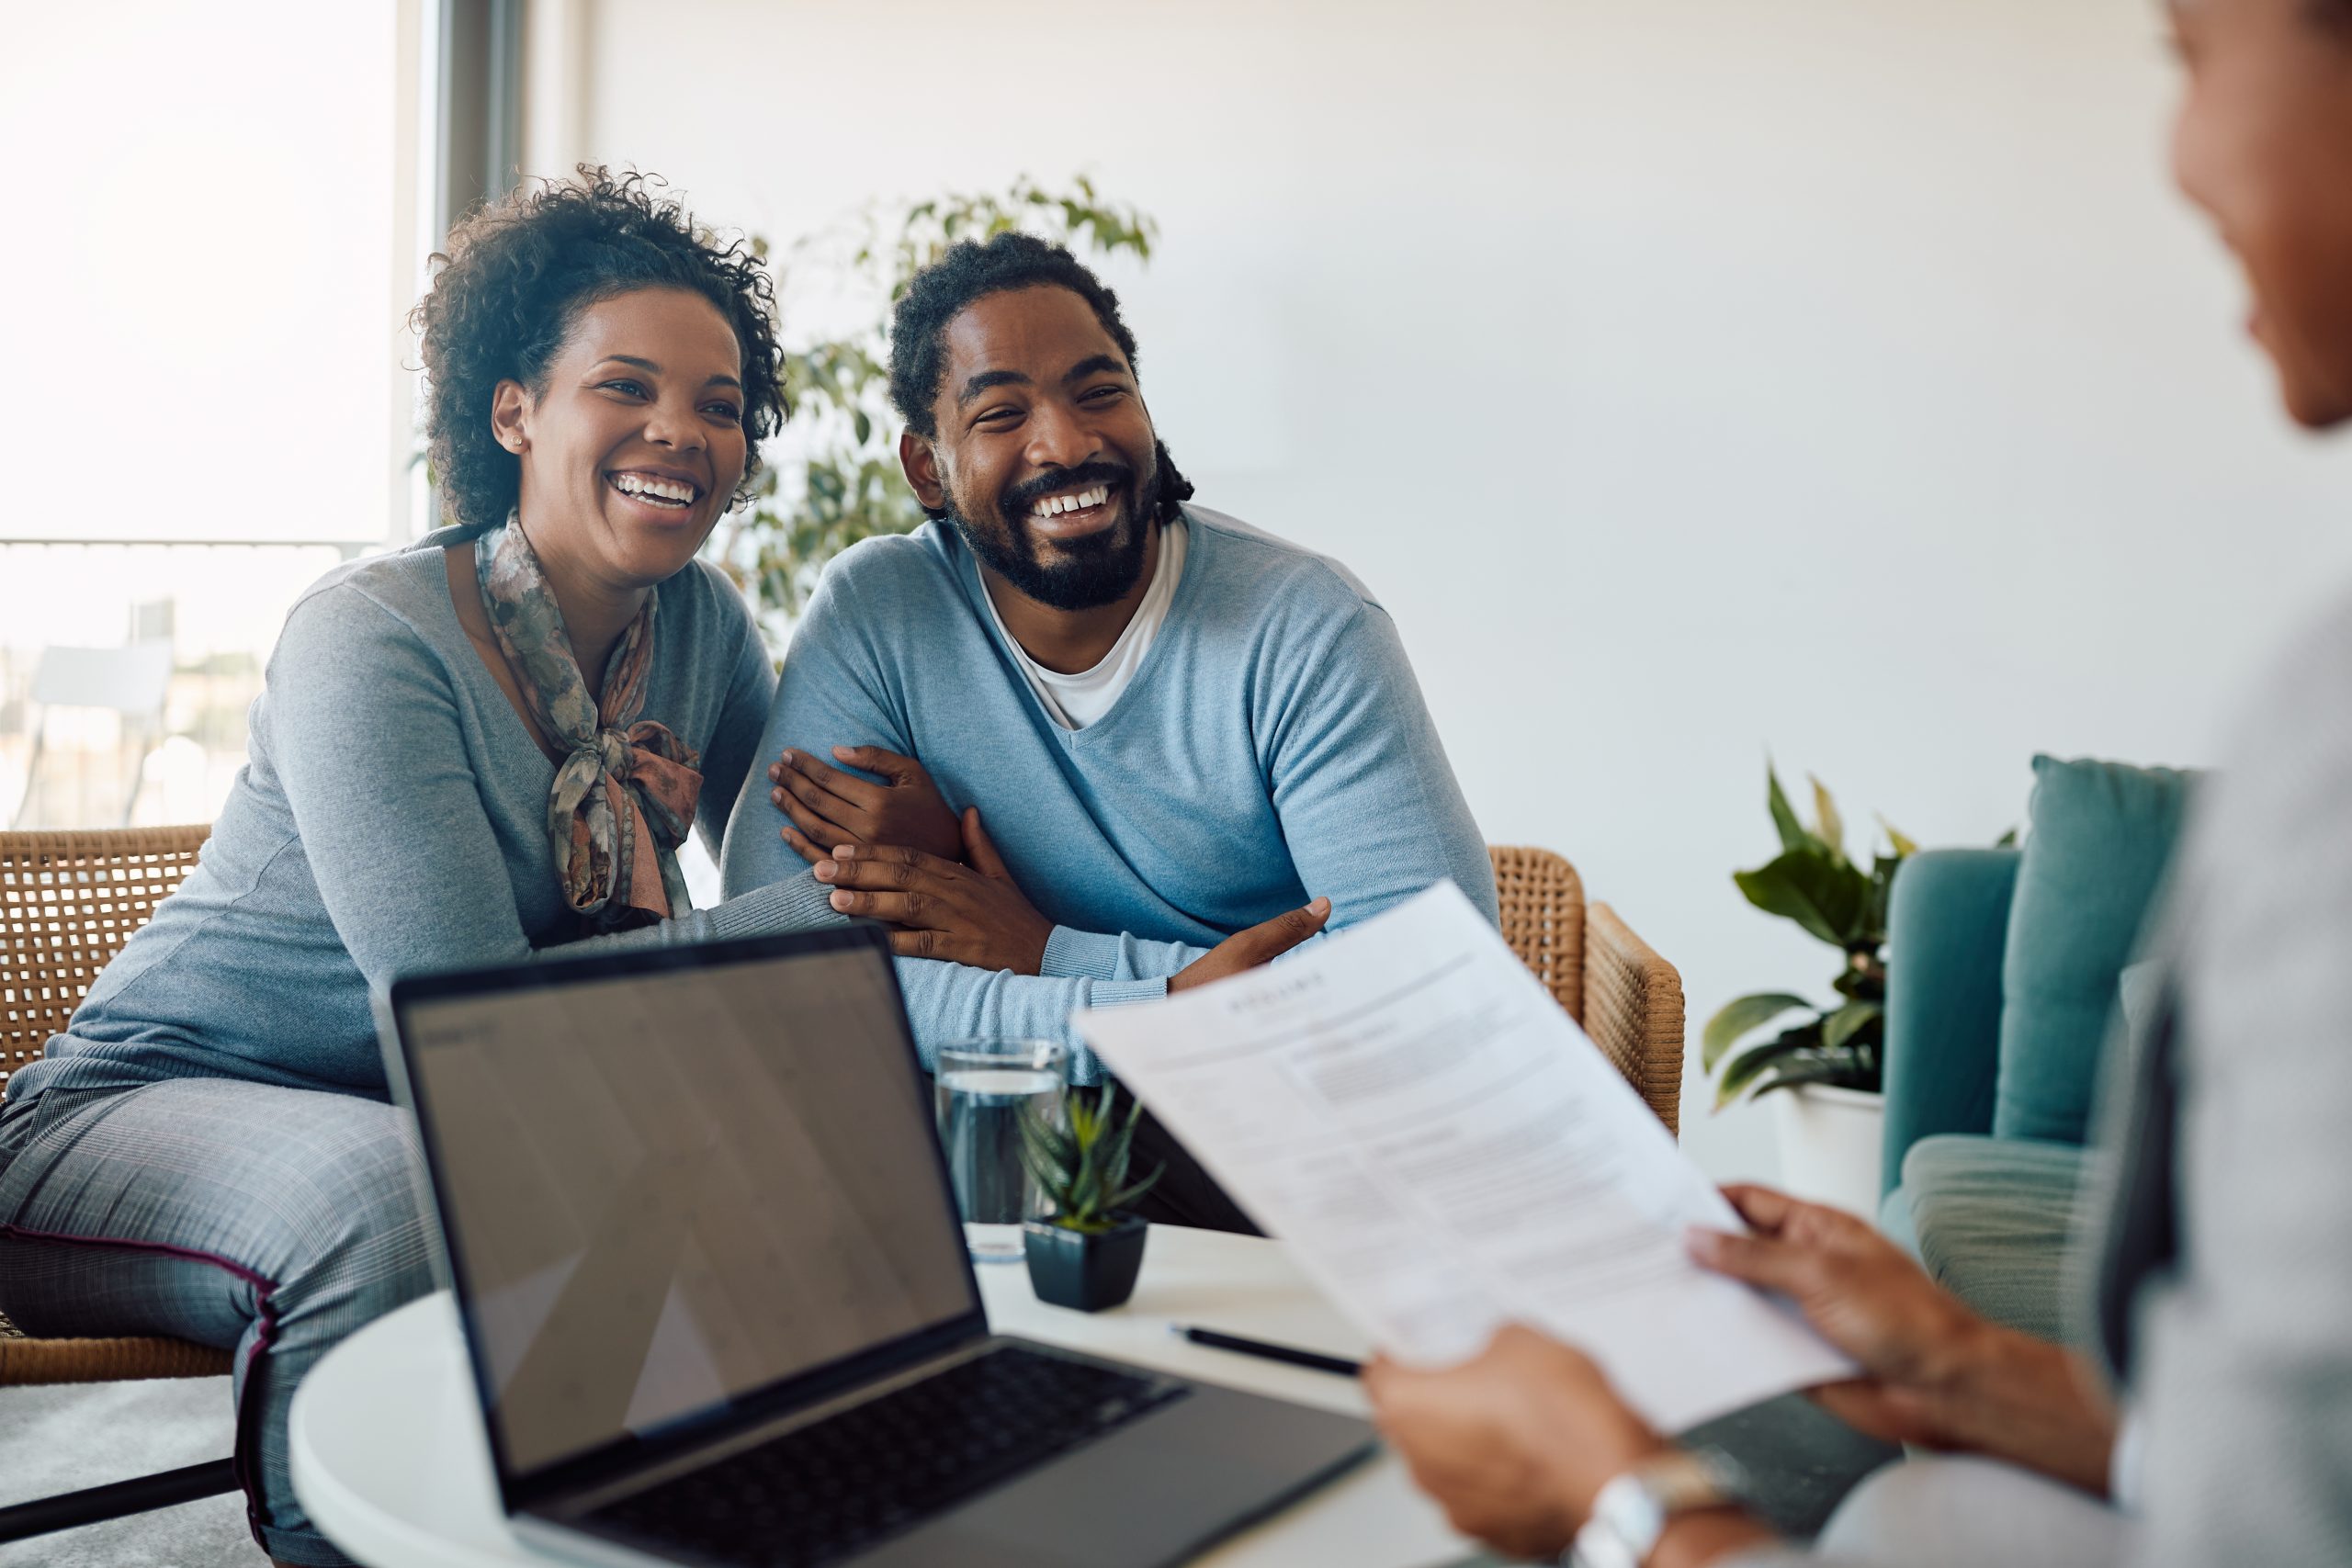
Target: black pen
{"type": "Point", "coordinates": [1315, 1359]}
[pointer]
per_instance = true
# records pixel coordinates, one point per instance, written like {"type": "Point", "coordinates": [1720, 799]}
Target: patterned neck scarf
{"type": "Point", "coordinates": [625, 792]}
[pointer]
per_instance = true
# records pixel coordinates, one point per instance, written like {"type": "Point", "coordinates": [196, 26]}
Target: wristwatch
{"type": "Point", "coordinates": [1633, 1509]}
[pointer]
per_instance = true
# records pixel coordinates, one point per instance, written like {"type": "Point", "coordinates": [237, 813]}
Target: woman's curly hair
{"type": "Point", "coordinates": [512, 285]}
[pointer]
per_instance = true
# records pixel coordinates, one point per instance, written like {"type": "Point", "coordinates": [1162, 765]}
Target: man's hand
{"type": "Point", "coordinates": [1246, 950]}
{"type": "Point", "coordinates": [971, 914]}
{"type": "Point", "coordinates": [1515, 1442]}
{"type": "Point", "coordinates": [1933, 1371]}
{"type": "Point", "coordinates": [829, 807]}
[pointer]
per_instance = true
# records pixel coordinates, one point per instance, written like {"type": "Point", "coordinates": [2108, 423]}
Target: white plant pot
{"type": "Point", "coordinates": [1830, 1145]}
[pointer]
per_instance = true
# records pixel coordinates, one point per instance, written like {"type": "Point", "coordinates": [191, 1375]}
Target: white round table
{"type": "Point", "coordinates": [389, 1458]}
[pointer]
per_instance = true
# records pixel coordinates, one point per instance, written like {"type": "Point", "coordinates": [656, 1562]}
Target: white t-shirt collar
{"type": "Point", "coordinates": [1079, 700]}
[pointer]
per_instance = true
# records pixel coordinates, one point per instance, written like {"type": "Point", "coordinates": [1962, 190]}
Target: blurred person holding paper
{"type": "Point", "coordinates": [2213, 1421]}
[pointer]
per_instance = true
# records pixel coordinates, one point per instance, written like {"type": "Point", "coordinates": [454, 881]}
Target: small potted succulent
{"type": "Point", "coordinates": [1086, 1253]}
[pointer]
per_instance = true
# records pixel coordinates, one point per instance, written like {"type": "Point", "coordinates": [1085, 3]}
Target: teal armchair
{"type": "Point", "coordinates": [1947, 925]}
{"type": "Point", "coordinates": [2002, 981]}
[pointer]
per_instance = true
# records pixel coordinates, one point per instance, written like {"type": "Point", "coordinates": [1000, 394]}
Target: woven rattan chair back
{"type": "Point", "coordinates": [1628, 999]}
{"type": "Point", "coordinates": [1542, 911]}
{"type": "Point", "coordinates": [68, 902]}
{"type": "Point", "coordinates": [1632, 1009]}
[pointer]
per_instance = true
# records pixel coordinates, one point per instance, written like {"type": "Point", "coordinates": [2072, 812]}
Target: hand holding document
{"type": "Point", "coordinates": [1445, 1152]}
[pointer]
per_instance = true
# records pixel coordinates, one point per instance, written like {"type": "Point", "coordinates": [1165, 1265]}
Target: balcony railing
{"type": "Point", "coordinates": [218, 603]}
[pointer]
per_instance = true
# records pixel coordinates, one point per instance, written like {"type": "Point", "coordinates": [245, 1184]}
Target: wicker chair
{"type": "Point", "coordinates": [1626, 997]}
{"type": "Point", "coordinates": [68, 902]}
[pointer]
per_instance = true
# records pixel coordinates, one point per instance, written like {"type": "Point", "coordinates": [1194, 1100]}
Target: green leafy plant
{"type": "Point", "coordinates": [1083, 1170]}
{"type": "Point", "coordinates": [1813, 883]}
{"type": "Point", "coordinates": [832, 475]}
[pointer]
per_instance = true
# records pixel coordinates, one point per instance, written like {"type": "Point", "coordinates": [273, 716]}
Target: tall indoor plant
{"type": "Point", "coordinates": [1813, 883]}
{"type": "Point", "coordinates": [1826, 1063]}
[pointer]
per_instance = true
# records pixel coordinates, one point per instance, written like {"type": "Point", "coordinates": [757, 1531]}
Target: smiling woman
{"type": "Point", "coordinates": [516, 280]}
{"type": "Point", "coordinates": [485, 747]}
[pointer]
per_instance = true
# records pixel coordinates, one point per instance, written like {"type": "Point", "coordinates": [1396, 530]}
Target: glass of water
{"type": "Point", "coordinates": [985, 1089]}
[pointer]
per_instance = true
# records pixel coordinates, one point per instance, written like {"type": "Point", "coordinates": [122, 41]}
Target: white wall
{"type": "Point", "coordinates": [1689, 376]}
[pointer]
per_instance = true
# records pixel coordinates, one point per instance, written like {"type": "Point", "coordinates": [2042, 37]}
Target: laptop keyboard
{"type": "Point", "coordinates": [825, 1491]}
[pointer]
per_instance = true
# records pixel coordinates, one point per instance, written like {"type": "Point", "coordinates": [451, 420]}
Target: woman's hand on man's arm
{"type": "Point", "coordinates": [825, 806]}
{"type": "Point", "coordinates": [974, 913]}
{"type": "Point", "coordinates": [1933, 1372]}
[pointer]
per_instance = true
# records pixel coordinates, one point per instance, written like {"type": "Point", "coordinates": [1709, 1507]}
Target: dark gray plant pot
{"type": "Point", "coordinates": [1088, 1273]}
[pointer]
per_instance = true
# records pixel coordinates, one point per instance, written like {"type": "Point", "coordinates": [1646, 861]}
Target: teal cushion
{"type": "Point", "coordinates": [1992, 1218]}
{"type": "Point", "coordinates": [1946, 928]}
{"type": "Point", "coordinates": [2102, 833]}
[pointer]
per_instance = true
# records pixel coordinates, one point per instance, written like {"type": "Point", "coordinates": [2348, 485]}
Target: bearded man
{"type": "Point", "coordinates": [1174, 728]}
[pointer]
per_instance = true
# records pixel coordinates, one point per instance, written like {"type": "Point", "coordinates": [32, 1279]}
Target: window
{"type": "Point", "coordinates": [210, 378]}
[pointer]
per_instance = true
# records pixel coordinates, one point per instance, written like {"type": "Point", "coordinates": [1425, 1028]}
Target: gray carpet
{"type": "Point", "coordinates": [60, 1440]}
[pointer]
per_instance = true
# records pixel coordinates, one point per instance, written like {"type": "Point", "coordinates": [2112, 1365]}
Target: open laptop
{"type": "Point", "coordinates": [717, 1299]}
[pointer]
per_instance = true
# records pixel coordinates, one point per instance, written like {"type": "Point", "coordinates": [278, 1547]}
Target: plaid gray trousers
{"type": "Point", "coordinates": [275, 1221]}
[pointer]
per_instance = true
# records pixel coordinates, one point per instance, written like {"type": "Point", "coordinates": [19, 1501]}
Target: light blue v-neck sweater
{"type": "Point", "coordinates": [1273, 746]}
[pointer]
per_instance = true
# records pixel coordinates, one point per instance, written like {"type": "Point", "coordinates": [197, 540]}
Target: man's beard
{"type": "Point", "coordinates": [1088, 572]}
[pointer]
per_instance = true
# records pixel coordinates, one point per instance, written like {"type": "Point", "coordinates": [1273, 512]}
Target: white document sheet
{"type": "Point", "coordinates": [1445, 1152]}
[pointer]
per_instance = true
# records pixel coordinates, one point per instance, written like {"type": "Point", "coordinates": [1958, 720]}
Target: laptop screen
{"type": "Point", "coordinates": [665, 1189]}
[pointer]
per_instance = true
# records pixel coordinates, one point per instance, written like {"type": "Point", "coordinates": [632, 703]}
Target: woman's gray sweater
{"type": "Point", "coordinates": [392, 819]}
